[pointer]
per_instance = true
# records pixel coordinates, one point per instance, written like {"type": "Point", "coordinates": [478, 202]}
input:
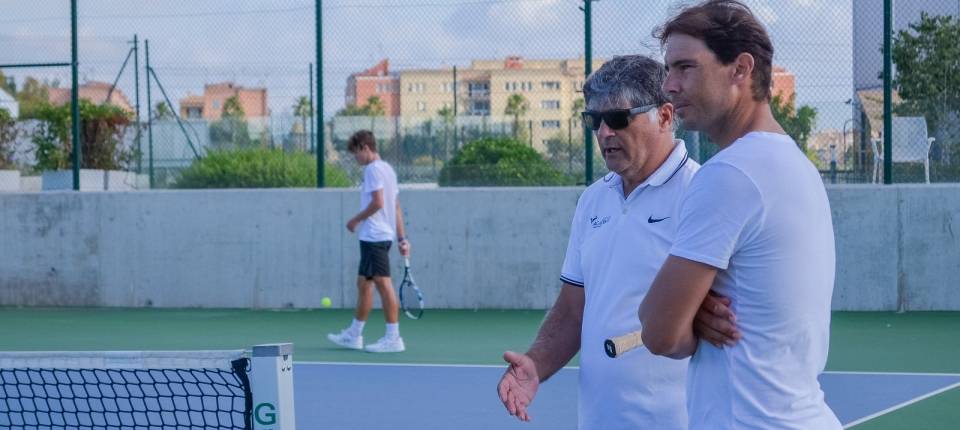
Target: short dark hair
{"type": "Point", "coordinates": [636, 80]}
{"type": "Point", "coordinates": [728, 28]}
{"type": "Point", "coordinates": [362, 139]}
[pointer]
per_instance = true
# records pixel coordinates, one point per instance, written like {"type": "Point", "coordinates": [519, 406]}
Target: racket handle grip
{"type": "Point", "coordinates": [406, 262]}
{"type": "Point", "coordinates": [619, 345]}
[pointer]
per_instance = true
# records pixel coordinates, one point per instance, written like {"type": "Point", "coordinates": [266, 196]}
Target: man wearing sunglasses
{"type": "Point", "coordinates": [621, 232]}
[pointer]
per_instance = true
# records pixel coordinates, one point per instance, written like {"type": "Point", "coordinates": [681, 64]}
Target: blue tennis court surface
{"type": "Point", "coordinates": [371, 396]}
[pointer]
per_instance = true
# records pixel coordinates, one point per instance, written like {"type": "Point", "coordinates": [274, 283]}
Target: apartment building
{"type": "Point", "coordinates": [209, 105]}
{"type": "Point", "coordinates": [93, 91]}
{"type": "Point", "coordinates": [375, 81]}
{"type": "Point", "coordinates": [549, 87]}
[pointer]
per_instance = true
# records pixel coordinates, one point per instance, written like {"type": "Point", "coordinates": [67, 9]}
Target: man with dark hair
{"type": "Point", "coordinates": [754, 226]}
{"type": "Point", "coordinates": [620, 234]}
{"type": "Point", "coordinates": [380, 221]}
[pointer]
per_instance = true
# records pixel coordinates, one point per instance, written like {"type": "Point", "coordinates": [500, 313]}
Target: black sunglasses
{"type": "Point", "coordinates": [616, 119]}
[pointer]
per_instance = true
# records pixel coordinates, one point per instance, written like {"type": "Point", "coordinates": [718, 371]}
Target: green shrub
{"type": "Point", "coordinates": [101, 132]}
{"type": "Point", "coordinates": [8, 138]}
{"type": "Point", "coordinates": [258, 168]}
{"type": "Point", "coordinates": [500, 162]}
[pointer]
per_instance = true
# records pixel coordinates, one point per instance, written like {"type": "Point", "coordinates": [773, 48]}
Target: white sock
{"type": "Point", "coordinates": [356, 327]}
{"type": "Point", "coordinates": [393, 330]}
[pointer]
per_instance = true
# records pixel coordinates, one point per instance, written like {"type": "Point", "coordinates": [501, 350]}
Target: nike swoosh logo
{"type": "Point", "coordinates": [652, 220]}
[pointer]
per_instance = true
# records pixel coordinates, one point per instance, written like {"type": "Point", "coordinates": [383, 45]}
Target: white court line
{"type": "Point", "coordinates": [504, 365]}
{"type": "Point", "coordinates": [854, 423]}
{"type": "Point", "coordinates": [902, 405]}
{"type": "Point", "coordinates": [351, 363]}
{"type": "Point", "coordinates": [840, 372]}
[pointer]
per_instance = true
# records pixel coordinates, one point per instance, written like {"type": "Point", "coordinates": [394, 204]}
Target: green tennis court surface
{"type": "Point", "coordinates": [862, 343]}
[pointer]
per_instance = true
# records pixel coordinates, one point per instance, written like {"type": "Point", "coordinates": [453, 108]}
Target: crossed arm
{"type": "Point", "coordinates": [558, 341]}
{"type": "Point", "coordinates": [668, 313]}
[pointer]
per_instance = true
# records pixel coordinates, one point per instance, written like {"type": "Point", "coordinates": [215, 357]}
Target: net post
{"type": "Point", "coordinates": [271, 379]}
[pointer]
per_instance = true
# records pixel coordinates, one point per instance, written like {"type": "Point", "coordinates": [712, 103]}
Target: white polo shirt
{"type": "Point", "coordinates": [382, 225]}
{"type": "Point", "coordinates": [758, 211]}
{"type": "Point", "coordinates": [616, 247]}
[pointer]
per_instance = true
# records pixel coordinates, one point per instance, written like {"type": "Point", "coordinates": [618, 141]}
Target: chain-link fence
{"type": "Point", "coordinates": [228, 93]}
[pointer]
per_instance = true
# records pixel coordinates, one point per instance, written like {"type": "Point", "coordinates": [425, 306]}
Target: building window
{"type": "Point", "coordinates": [422, 106]}
{"type": "Point", "coordinates": [480, 107]}
{"type": "Point", "coordinates": [550, 85]}
{"type": "Point", "coordinates": [550, 104]}
{"type": "Point", "coordinates": [578, 86]}
{"type": "Point", "coordinates": [194, 113]}
{"type": "Point", "coordinates": [216, 104]}
{"type": "Point", "coordinates": [447, 87]}
{"type": "Point", "coordinates": [550, 124]}
{"type": "Point", "coordinates": [479, 89]}
{"type": "Point", "coordinates": [416, 87]}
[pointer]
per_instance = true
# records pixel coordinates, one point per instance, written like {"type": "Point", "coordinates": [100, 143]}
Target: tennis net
{"type": "Point", "coordinates": [114, 390]}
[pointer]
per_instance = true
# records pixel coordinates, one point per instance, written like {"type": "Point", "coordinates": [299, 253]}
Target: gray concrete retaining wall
{"type": "Point", "coordinates": [898, 248]}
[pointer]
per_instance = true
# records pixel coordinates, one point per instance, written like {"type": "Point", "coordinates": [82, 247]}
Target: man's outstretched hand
{"type": "Point", "coordinates": [518, 384]}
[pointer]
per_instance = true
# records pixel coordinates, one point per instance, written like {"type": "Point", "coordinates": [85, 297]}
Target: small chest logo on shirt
{"type": "Point", "coordinates": [653, 220]}
{"type": "Point", "coordinates": [596, 221]}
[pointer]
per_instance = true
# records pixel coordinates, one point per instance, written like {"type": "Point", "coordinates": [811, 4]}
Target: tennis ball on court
{"type": "Point", "coordinates": [326, 302]}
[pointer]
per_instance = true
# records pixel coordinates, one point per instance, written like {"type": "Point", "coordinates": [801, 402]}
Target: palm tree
{"type": "Point", "coordinates": [304, 110]}
{"type": "Point", "coordinates": [375, 106]}
{"type": "Point", "coordinates": [162, 111]}
{"type": "Point", "coordinates": [517, 106]}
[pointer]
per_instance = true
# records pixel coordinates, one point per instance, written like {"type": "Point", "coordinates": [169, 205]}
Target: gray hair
{"type": "Point", "coordinates": [632, 80]}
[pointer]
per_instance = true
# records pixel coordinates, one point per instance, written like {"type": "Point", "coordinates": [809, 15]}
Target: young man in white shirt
{"type": "Point", "coordinates": [380, 221]}
{"type": "Point", "coordinates": [620, 234]}
{"type": "Point", "coordinates": [754, 226]}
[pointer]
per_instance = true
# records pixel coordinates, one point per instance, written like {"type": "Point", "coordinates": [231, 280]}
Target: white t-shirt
{"type": "Point", "coordinates": [382, 225]}
{"type": "Point", "coordinates": [615, 249]}
{"type": "Point", "coordinates": [758, 211]}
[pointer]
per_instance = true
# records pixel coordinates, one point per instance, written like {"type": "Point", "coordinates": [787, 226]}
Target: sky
{"type": "Point", "coordinates": [272, 42]}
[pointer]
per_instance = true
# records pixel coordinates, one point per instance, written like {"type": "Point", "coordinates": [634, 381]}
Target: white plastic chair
{"type": "Point", "coordinates": [910, 144]}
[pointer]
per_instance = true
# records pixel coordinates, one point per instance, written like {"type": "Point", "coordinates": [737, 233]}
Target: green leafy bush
{"type": "Point", "coordinates": [8, 138]}
{"type": "Point", "coordinates": [258, 168]}
{"type": "Point", "coordinates": [500, 162]}
{"type": "Point", "coordinates": [101, 135]}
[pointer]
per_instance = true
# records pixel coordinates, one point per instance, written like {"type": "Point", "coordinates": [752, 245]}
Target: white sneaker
{"type": "Point", "coordinates": [386, 345]}
{"type": "Point", "coordinates": [346, 339]}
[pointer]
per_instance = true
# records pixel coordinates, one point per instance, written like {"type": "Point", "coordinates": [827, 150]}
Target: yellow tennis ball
{"type": "Point", "coordinates": [326, 302]}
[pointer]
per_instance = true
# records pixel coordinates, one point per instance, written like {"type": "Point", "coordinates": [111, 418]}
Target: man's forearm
{"type": "Point", "coordinates": [367, 212]}
{"type": "Point", "coordinates": [401, 230]}
{"type": "Point", "coordinates": [558, 340]}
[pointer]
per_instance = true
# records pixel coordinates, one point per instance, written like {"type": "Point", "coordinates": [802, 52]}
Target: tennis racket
{"type": "Point", "coordinates": [619, 345]}
{"type": "Point", "coordinates": [411, 299]}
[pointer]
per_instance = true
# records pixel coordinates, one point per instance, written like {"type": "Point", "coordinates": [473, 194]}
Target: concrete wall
{"type": "Point", "coordinates": [897, 247]}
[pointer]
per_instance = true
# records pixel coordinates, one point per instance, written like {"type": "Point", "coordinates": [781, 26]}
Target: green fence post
{"type": "Point", "coordinates": [74, 96]}
{"type": "Point", "coordinates": [320, 131]}
{"type": "Point", "coordinates": [587, 69]}
{"type": "Point", "coordinates": [887, 92]}
{"type": "Point", "coordinates": [146, 49]}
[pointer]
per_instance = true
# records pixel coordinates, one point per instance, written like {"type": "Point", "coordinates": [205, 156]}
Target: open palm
{"type": "Point", "coordinates": [518, 385]}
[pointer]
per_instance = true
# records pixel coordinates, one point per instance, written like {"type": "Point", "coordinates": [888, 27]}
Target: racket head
{"type": "Point", "coordinates": [411, 299]}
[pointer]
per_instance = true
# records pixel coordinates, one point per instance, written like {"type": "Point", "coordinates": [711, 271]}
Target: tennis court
{"type": "Point", "coordinates": [886, 370]}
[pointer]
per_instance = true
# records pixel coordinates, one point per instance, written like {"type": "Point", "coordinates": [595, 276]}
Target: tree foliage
{"type": "Point", "coordinates": [373, 107]}
{"type": "Point", "coordinates": [798, 123]}
{"type": "Point", "coordinates": [101, 132]}
{"type": "Point", "coordinates": [927, 56]}
{"type": "Point", "coordinates": [499, 162]}
{"type": "Point", "coordinates": [8, 139]}
{"type": "Point", "coordinates": [258, 168]}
